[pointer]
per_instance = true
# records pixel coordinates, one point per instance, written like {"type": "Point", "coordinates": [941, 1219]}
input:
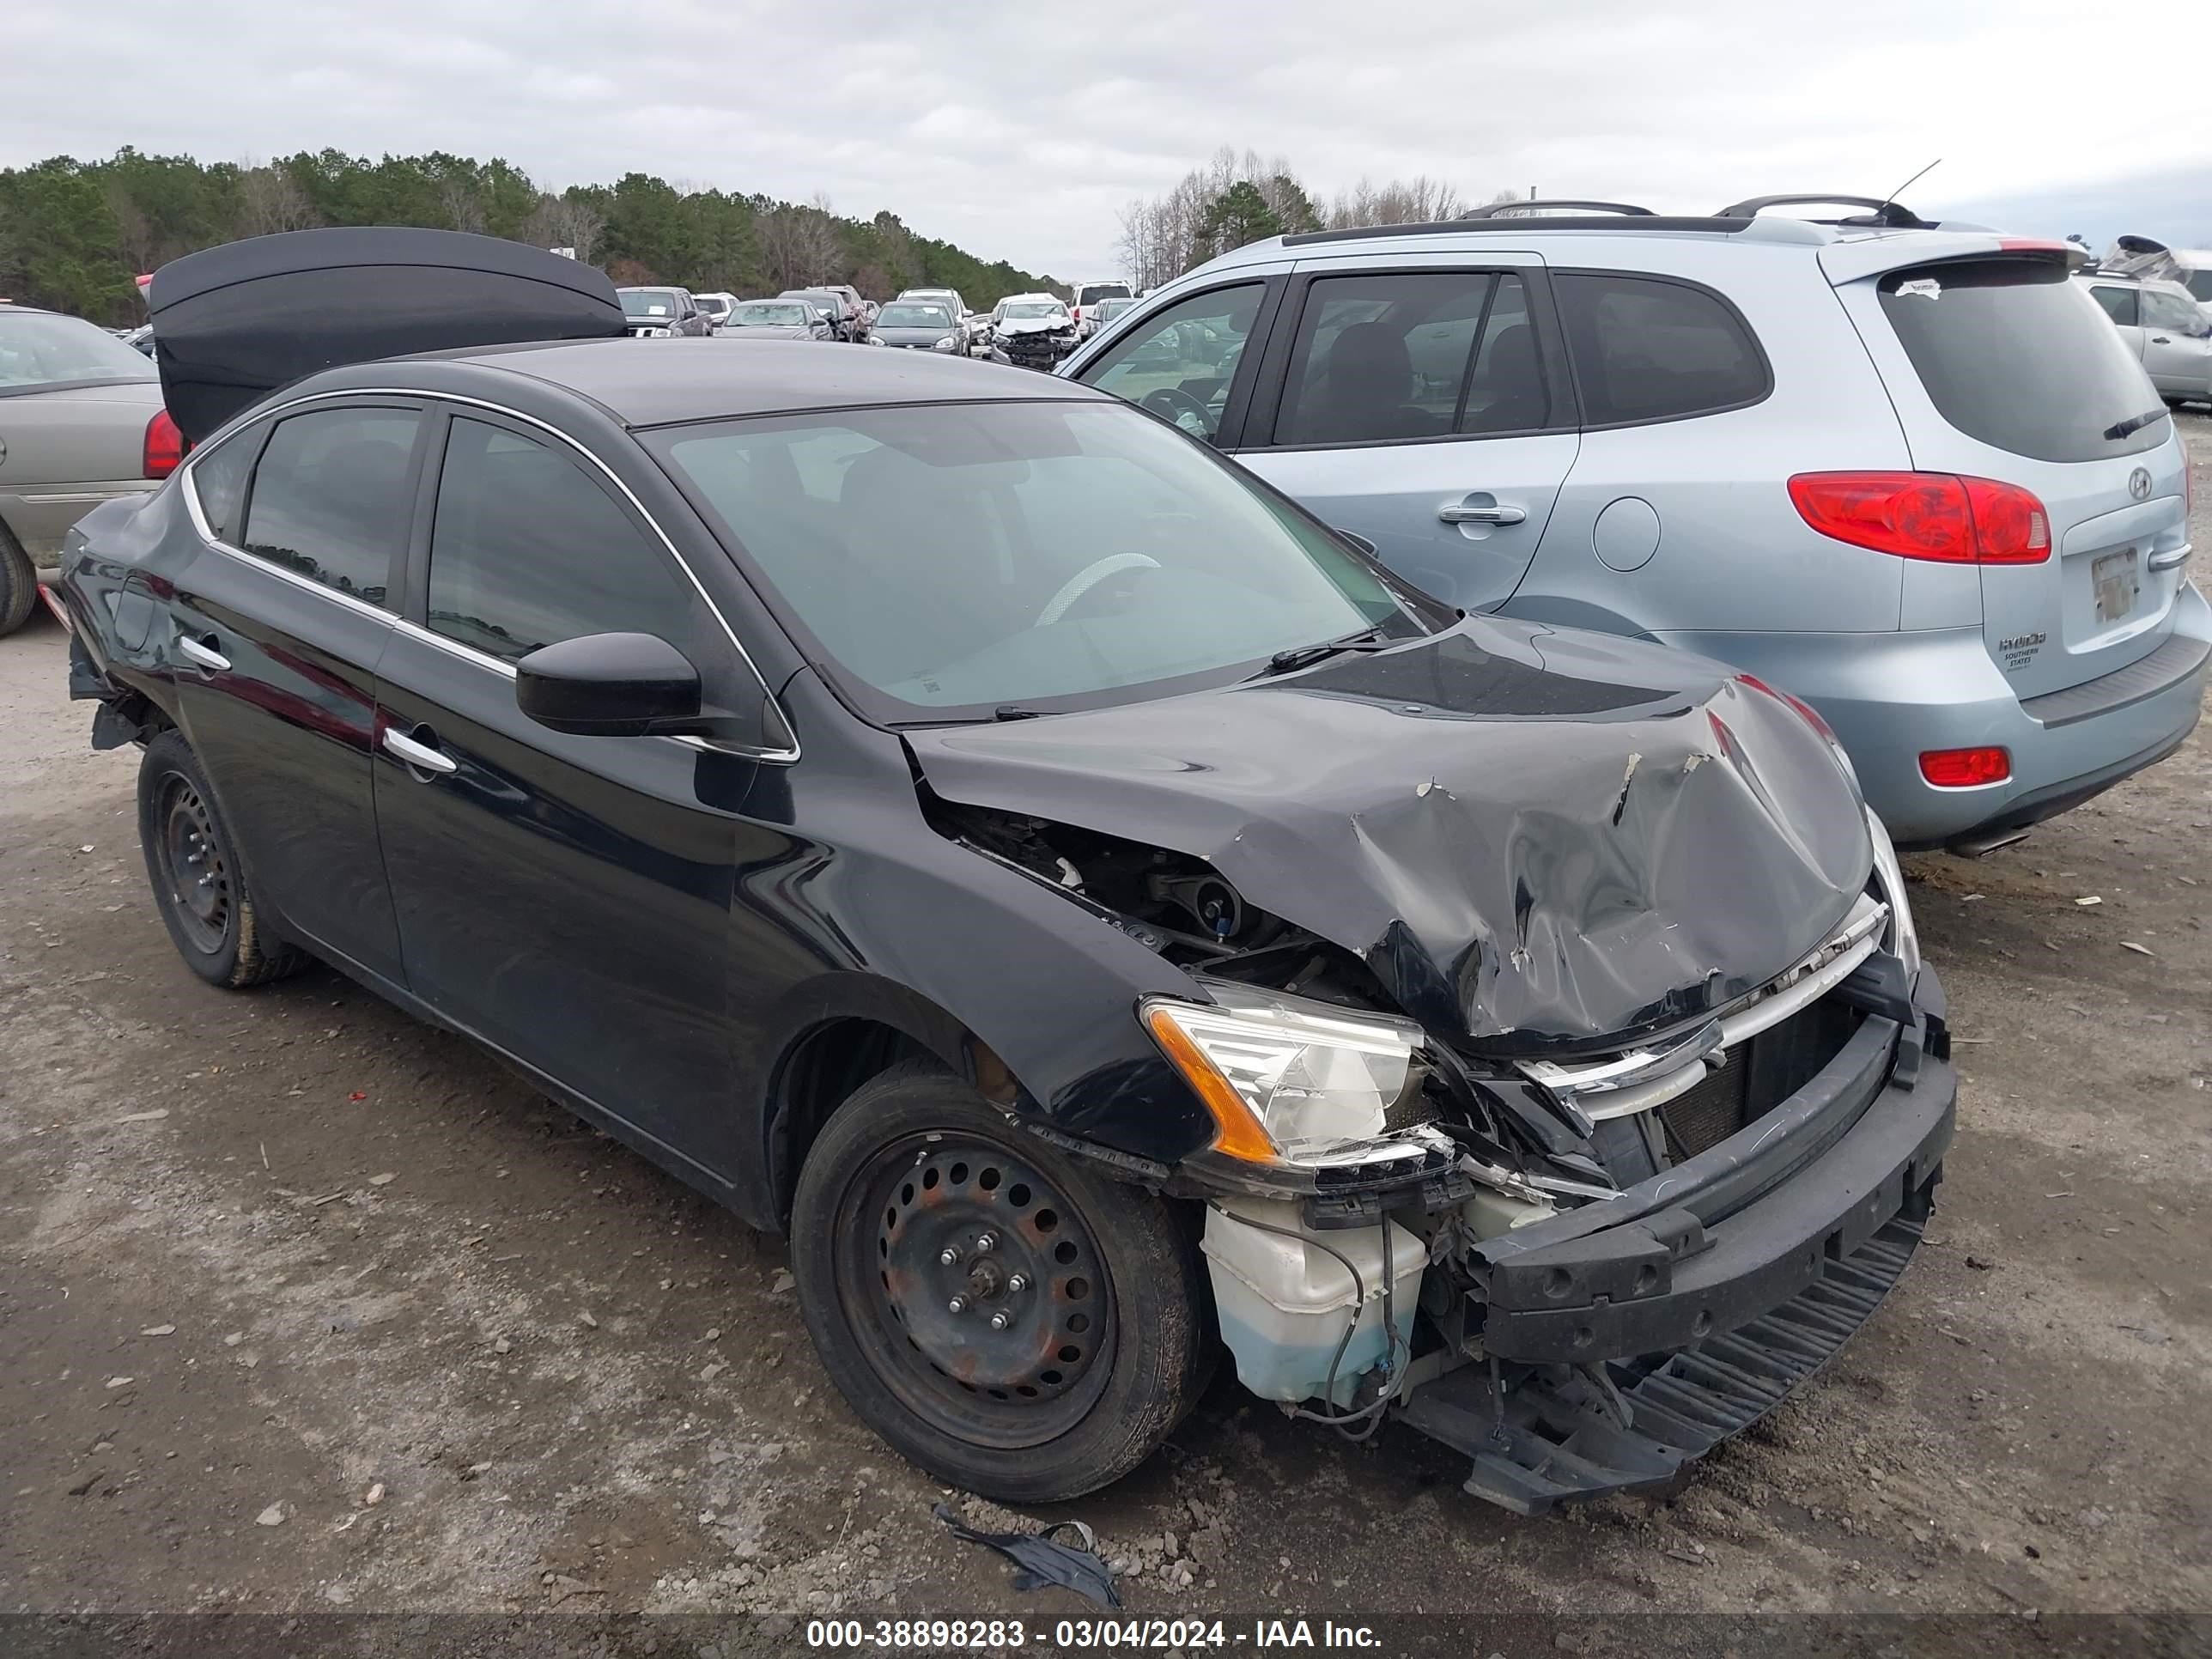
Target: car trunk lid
{"type": "Point", "coordinates": [2001, 366]}
{"type": "Point", "coordinates": [234, 323]}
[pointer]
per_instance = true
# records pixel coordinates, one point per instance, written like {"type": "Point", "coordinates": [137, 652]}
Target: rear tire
{"type": "Point", "coordinates": [199, 884]}
{"type": "Point", "coordinates": [1104, 1345]}
{"type": "Point", "coordinates": [18, 583]}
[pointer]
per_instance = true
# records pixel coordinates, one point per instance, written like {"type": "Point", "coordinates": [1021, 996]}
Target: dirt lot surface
{"type": "Point", "coordinates": [305, 1305]}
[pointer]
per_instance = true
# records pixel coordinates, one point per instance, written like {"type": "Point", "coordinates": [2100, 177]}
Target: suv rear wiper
{"type": "Point", "coordinates": [1302, 656]}
{"type": "Point", "coordinates": [2134, 423]}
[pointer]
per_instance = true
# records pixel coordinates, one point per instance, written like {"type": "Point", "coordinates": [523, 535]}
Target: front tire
{"type": "Point", "coordinates": [199, 884]}
{"type": "Point", "coordinates": [1080, 1338]}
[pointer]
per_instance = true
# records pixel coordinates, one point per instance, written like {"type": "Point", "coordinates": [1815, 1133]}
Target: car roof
{"type": "Point", "coordinates": [663, 382]}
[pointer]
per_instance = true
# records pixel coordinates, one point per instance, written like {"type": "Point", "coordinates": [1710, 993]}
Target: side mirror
{"type": "Point", "coordinates": [612, 685]}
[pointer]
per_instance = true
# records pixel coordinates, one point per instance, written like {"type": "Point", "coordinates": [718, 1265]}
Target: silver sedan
{"type": "Point", "coordinates": [81, 421]}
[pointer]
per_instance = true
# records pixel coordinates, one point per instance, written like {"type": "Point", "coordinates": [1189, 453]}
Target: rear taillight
{"type": "Point", "coordinates": [165, 446]}
{"type": "Point", "coordinates": [1965, 769]}
{"type": "Point", "coordinates": [1926, 515]}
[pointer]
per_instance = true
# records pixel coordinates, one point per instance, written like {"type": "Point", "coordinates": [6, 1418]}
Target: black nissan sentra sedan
{"type": "Point", "coordinates": [1094, 910]}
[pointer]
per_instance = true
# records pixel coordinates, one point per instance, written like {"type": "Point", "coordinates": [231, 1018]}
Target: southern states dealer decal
{"type": "Point", "coordinates": [2020, 650]}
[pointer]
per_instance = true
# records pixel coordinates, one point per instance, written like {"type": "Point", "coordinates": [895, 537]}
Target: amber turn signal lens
{"type": "Point", "coordinates": [1241, 1133]}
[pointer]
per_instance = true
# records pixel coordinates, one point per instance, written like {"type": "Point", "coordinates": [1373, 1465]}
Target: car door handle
{"type": "Point", "coordinates": [2160, 339]}
{"type": "Point", "coordinates": [420, 756]}
{"type": "Point", "coordinates": [1455, 513]}
{"type": "Point", "coordinates": [206, 656]}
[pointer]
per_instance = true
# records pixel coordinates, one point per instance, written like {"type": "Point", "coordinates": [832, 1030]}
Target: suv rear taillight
{"type": "Point", "coordinates": [1926, 515]}
{"type": "Point", "coordinates": [165, 446]}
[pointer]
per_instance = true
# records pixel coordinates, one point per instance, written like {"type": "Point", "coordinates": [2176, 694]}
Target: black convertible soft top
{"type": "Point", "coordinates": [234, 323]}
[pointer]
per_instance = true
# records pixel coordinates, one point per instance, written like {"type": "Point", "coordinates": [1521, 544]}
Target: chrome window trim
{"type": "Point", "coordinates": [777, 756]}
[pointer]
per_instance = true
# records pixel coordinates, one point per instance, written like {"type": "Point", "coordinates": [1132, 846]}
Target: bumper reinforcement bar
{"type": "Point", "coordinates": [1555, 1440]}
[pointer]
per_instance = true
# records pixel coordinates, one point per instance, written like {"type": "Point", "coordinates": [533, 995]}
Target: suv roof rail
{"type": "Point", "coordinates": [1533, 208]}
{"type": "Point", "coordinates": [1639, 221]}
{"type": "Point", "coordinates": [1889, 215]}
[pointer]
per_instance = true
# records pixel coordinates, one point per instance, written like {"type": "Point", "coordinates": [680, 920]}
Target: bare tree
{"type": "Point", "coordinates": [1417, 201]}
{"type": "Point", "coordinates": [798, 245]}
{"type": "Point", "coordinates": [562, 221]}
{"type": "Point", "coordinates": [462, 206]}
{"type": "Point", "coordinates": [270, 200]}
{"type": "Point", "coordinates": [1163, 236]}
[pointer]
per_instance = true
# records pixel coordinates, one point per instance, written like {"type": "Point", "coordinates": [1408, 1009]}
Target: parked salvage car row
{"type": "Point", "coordinates": [1374, 855]}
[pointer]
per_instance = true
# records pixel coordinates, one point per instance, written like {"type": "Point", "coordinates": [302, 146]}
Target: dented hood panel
{"type": "Point", "coordinates": [1538, 839]}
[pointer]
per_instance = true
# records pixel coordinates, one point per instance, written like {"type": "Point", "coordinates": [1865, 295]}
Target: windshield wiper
{"type": "Point", "coordinates": [2134, 423]}
{"type": "Point", "coordinates": [1011, 711]}
{"type": "Point", "coordinates": [1302, 656]}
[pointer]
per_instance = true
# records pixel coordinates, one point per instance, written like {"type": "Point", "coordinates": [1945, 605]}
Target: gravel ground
{"type": "Point", "coordinates": [305, 1305]}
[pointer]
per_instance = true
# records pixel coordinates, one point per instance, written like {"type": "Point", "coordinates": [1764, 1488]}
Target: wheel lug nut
{"type": "Point", "coordinates": [999, 1321]}
{"type": "Point", "coordinates": [949, 1256]}
{"type": "Point", "coordinates": [958, 1304]}
{"type": "Point", "coordinates": [1017, 1282]}
{"type": "Point", "coordinates": [985, 1243]}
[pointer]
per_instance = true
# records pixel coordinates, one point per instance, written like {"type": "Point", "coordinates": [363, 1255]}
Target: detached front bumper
{"type": "Point", "coordinates": [1695, 1301]}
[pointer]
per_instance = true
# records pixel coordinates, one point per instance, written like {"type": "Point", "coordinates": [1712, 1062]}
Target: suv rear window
{"type": "Point", "coordinates": [1645, 349]}
{"type": "Point", "coordinates": [2012, 352]}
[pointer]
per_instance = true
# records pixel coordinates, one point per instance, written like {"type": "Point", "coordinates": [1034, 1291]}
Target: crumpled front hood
{"type": "Point", "coordinates": [1537, 839]}
{"type": "Point", "coordinates": [1033, 324]}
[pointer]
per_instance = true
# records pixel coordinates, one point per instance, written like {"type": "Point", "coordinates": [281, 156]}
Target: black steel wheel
{"type": "Point", "coordinates": [199, 882]}
{"type": "Point", "coordinates": [1002, 1313]}
{"type": "Point", "coordinates": [984, 1300]}
{"type": "Point", "coordinates": [194, 865]}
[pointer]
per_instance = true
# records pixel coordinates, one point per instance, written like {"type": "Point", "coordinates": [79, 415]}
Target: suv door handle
{"type": "Point", "coordinates": [1455, 512]}
{"type": "Point", "coordinates": [420, 756]}
{"type": "Point", "coordinates": [206, 656]}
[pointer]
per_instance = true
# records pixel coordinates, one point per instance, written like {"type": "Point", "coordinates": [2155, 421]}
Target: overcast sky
{"type": "Point", "coordinates": [1020, 132]}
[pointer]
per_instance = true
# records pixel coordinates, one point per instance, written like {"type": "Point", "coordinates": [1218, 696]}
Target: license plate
{"type": "Point", "coordinates": [2114, 576]}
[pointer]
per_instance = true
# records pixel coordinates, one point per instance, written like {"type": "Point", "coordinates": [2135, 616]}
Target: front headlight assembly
{"type": "Point", "coordinates": [1903, 941]}
{"type": "Point", "coordinates": [1288, 1081]}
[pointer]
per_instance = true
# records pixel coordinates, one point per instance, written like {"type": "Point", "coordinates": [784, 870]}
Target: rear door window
{"type": "Point", "coordinates": [332, 498]}
{"type": "Point", "coordinates": [2012, 352]}
{"type": "Point", "coordinates": [1646, 349]}
{"type": "Point", "coordinates": [2122, 305]}
{"type": "Point", "coordinates": [1392, 355]}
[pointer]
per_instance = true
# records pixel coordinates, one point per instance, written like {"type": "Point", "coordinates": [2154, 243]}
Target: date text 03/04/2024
{"type": "Point", "coordinates": [938, 1635]}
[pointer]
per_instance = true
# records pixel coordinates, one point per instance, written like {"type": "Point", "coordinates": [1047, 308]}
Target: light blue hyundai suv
{"type": "Point", "coordinates": [1906, 472]}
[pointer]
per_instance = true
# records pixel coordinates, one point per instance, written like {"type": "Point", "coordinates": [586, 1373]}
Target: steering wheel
{"type": "Point", "coordinates": [1175, 404]}
{"type": "Point", "coordinates": [1073, 590]}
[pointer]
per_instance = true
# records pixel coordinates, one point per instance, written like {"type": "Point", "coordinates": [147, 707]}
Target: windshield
{"type": "Point", "coordinates": [769, 313]}
{"type": "Point", "coordinates": [2012, 352]}
{"type": "Point", "coordinates": [1093, 292]}
{"type": "Point", "coordinates": [952, 560]}
{"type": "Point", "coordinates": [914, 316]}
{"type": "Point", "coordinates": [1036, 308]}
{"type": "Point", "coordinates": [648, 302]}
{"type": "Point", "coordinates": [41, 349]}
{"type": "Point", "coordinates": [1105, 310]}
